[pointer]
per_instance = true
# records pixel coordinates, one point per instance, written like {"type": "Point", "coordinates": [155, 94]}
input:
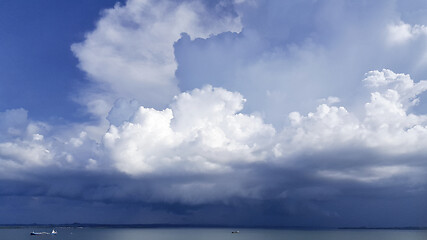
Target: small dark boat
{"type": "Point", "coordinates": [235, 232]}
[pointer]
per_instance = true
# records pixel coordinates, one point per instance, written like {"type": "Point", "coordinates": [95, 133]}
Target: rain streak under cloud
{"type": "Point", "coordinates": [290, 113]}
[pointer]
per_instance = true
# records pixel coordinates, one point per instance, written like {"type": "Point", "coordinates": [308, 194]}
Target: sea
{"type": "Point", "coordinates": [73, 233]}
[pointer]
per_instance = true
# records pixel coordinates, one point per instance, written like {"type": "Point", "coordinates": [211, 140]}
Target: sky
{"type": "Point", "coordinates": [231, 112]}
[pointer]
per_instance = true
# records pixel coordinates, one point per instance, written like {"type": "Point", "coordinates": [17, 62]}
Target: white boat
{"type": "Point", "coordinates": [44, 233]}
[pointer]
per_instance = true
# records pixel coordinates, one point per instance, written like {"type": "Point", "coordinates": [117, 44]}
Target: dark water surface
{"type": "Point", "coordinates": [208, 234]}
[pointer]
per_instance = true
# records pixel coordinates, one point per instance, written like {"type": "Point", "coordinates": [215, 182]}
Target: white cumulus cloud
{"type": "Point", "coordinates": [386, 122]}
{"type": "Point", "coordinates": [401, 32]}
{"type": "Point", "coordinates": [203, 131]}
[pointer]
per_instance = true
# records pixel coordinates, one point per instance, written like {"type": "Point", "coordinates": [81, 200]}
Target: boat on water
{"type": "Point", "coordinates": [235, 231]}
{"type": "Point", "coordinates": [44, 233]}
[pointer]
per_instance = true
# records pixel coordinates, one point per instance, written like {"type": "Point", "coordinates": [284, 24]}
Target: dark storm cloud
{"type": "Point", "coordinates": [281, 195]}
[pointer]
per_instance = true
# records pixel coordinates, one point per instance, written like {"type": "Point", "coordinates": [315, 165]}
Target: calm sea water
{"type": "Point", "coordinates": [209, 234]}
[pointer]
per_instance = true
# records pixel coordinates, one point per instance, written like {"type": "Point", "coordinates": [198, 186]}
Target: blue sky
{"type": "Point", "coordinates": [37, 64]}
{"type": "Point", "coordinates": [248, 112]}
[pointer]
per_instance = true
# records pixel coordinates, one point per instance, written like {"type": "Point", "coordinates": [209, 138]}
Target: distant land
{"type": "Point", "coordinates": [166, 225]}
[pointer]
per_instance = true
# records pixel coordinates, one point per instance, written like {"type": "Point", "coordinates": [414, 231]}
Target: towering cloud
{"type": "Point", "coordinates": [130, 53]}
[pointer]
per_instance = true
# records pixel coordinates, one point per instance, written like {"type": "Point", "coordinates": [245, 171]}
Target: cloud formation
{"type": "Point", "coordinates": [201, 132]}
{"type": "Point", "coordinates": [385, 124]}
{"type": "Point", "coordinates": [403, 32]}
{"type": "Point", "coordinates": [130, 53]}
{"type": "Point", "coordinates": [294, 60]}
{"type": "Point", "coordinates": [22, 144]}
{"type": "Point", "coordinates": [237, 110]}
